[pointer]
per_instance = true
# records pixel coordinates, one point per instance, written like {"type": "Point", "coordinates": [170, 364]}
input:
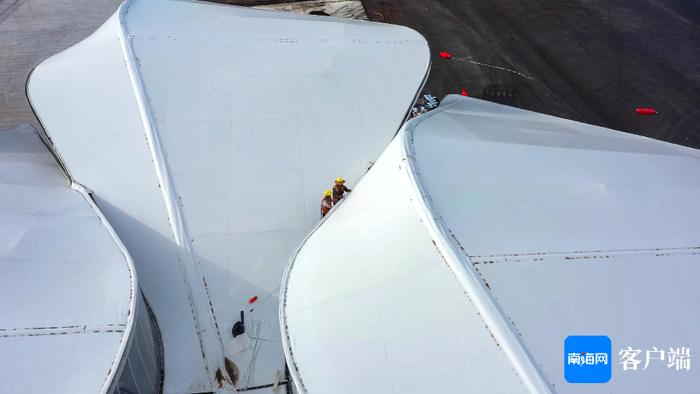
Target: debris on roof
{"type": "Point", "coordinates": [423, 104]}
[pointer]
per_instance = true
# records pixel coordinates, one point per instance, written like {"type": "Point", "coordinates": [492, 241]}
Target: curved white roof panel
{"type": "Point", "coordinates": [550, 227]}
{"type": "Point", "coordinates": [369, 301]}
{"type": "Point", "coordinates": [67, 287]}
{"type": "Point", "coordinates": [208, 134]}
{"type": "Point", "coordinates": [550, 185]}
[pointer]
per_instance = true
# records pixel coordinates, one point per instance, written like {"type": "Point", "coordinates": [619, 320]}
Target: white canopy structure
{"type": "Point", "coordinates": [68, 294]}
{"type": "Point", "coordinates": [468, 251]}
{"type": "Point", "coordinates": [481, 239]}
{"type": "Point", "coordinates": [207, 134]}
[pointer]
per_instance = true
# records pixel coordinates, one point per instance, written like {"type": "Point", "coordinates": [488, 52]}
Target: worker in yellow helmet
{"type": "Point", "coordinates": [339, 189]}
{"type": "Point", "coordinates": [326, 202]}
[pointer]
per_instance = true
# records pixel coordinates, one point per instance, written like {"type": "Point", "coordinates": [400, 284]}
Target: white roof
{"type": "Point", "coordinates": [540, 184]}
{"type": "Point", "coordinates": [67, 287]}
{"type": "Point", "coordinates": [551, 228]}
{"type": "Point", "coordinates": [370, 305]}
{"type": "Point", "coordinates": [208, 142]}
{"type": "Point", "coordinates": [574, 229]}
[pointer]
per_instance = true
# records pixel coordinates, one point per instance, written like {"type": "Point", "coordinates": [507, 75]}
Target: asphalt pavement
{"type": "Point", "coordinates": [594, 61]}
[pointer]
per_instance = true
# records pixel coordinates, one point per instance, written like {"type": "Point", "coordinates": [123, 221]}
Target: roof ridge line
{"type": "Point", "coordinates": [190, 269]}
{"type": "Point", "coordinates": [501, 330]}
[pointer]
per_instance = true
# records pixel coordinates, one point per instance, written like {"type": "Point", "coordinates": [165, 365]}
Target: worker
{"type": "Point", "coordinates": [326, 202]}
{"type": "Point", "coordinates": [339, 189]}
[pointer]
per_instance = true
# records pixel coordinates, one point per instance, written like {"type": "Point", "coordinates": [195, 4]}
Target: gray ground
{"type": "Point", "coordinates": [31, 31]}
{"type": "Point", "coordinates": [590, 60]}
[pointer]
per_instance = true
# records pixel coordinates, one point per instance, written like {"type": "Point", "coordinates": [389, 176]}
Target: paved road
{"type": "Point", "coordinates": [590, 60]}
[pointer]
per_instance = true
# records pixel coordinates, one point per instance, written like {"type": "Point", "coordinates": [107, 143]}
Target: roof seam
{"type": "Point", "coordinates": [592, 251]}
{"type": "Point", "coordinates": [64, 330]}
{"type": "Point", "coordinates": [593, 256]}
{"type": "Point", "coordinates": [56, 327]}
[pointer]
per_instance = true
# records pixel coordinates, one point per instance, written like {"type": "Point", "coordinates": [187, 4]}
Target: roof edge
{"type": "Point", "coordinates": [286, 344]}
{"type": "Point", "coordinates": [126, 340]}
{"type": "Point", "coordinates": [504, 335]}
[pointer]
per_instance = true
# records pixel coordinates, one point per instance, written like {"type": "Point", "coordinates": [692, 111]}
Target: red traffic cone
{"type": "Point", "coordinates": [464, 92]}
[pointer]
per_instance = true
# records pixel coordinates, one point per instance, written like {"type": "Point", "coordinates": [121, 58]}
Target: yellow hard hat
{"type": "Point", "coordinates": [339, 180]}
{"type": "Point", "coordinates": [327, 193]}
